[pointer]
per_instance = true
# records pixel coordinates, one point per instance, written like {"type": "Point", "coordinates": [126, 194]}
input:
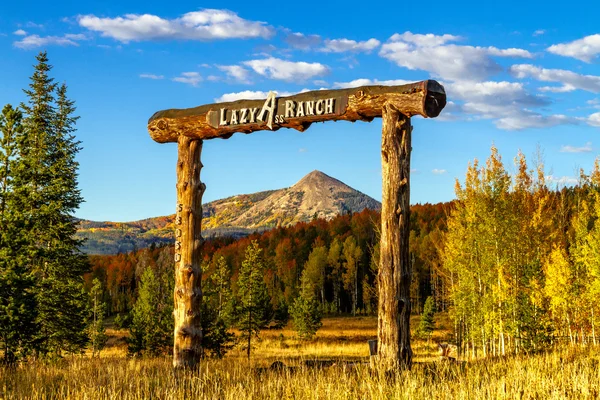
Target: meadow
{"type": "Point", "coordinates": [567, 372]}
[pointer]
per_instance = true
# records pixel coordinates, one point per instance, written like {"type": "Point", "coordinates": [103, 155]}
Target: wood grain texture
{"type": "Point", "coordinates": [393, 326]}
{"type": "Point", "coordinates": [188, 272]}
{"type": "Point", "coordinates": [426, 98]}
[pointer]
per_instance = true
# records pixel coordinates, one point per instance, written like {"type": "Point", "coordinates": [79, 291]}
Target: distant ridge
{"type": "Point", "coordinates": [315, 195]}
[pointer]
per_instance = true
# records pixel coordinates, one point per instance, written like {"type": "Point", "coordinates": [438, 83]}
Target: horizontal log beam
{"type": "Point", "coordinates": [426, 98]}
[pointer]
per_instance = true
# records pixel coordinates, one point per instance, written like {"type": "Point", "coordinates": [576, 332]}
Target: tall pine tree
{"type": "Point", "coordinates": [252, 293]}
{"type": "Point", "coordinates": [151, 330]}
{"type": "Point", "coordinates": [17, 301]}
{"type": "Point", "coordinates": [49, 198]}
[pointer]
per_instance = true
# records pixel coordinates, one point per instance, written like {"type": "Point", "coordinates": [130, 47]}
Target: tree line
{"type": "Point", "coordinates": [514, 262]}
{"type": "Point", "coordinates": [300, 273]}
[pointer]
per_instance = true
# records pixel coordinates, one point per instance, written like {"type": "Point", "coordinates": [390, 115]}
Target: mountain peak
{"type": "Point", "coordinates": [315, 195]}
{"type": "Point", "coordinates": [320, 179]}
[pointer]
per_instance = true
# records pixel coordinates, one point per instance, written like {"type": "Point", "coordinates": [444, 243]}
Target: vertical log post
{"type": "Point", "coordinates": [188, 242]}
{"type": "Point", "coordinates": [393, 330]}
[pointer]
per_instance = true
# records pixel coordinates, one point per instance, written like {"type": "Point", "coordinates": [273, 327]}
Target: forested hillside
{"type": "Point", "coordinates": [514, 263]}
{"type": "Point", "coordinates": [287, 251]}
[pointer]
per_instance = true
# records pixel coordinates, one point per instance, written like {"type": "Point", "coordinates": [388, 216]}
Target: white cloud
{"type": "Point", "coordinates": [527, 119]}
{"type": "Point", "coordinates": [594, 119]}
{"type": "Point", "coordinates": [238, 73]}
{"type": "Point", "coordinates": [151, 76]}
{"type": "Point", "coordinates": [584, 49]}
{"type": "Point", "coordinates": [569, 80]}
{"type": "Point", "coordinates": [539, 32]}
{"type": "Point", "coordinates": [561, 180]}
{"type": "Point", "coordinates": [303, 42]}
{"type": "Point", "coordinates": [424, 40]}
{"type": "Point", "coordinates": [508, 104]}
{"type": "Point", "coordinates": [31, 24]}
{"type": "Point", "coordinates": [557, 89]}
{"type": "Point", "coordinates": [494, 100]}
{"type": "Point", "coordinates": [438, 171]}
{"type": "Point", "coordinates": [512, 52]}
{"type": "Point", "coordinates": [248, 95]}
{"type": "Point", "coordinates": [276, 68]}
{"type": "Point", "coordinates": [34, 41]}
{"type": "Point", "coordinates": [208, 24]}
{"type": "Point", "coordinates": [302, 150]}
{"type": "Point", "coordinates": [434, 54]}
{"type": "Point", "coordinates": [191, 78]}
{"type": "Point", "coordinates": [587, 148]}
{"type": "Point", "coordinates": [20, 32]}
{"type": "Point", "coordinates": [493, 92]}
{"type": "Point", "coordinates": [369, 82]}
{"type": "Point", "coordinates": [344, 45]}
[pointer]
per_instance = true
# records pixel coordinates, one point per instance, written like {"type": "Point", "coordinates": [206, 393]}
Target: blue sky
{"type": "Point", "coordinates": [520, 75]}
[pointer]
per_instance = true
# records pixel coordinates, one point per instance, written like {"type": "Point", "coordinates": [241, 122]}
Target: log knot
{"type": "Point", "coordinates": [162, 125]}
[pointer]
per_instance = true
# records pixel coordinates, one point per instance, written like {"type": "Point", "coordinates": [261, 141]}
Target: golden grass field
{"type": "Point", "coordinates": [563, 373]}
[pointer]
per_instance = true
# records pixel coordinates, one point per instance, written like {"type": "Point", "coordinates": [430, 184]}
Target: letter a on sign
{"type": "Point", "coordinates": [270, 107]}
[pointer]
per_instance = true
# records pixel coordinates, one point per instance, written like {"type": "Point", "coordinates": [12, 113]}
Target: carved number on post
{"type": "Point", "coordinates": [178, 232]}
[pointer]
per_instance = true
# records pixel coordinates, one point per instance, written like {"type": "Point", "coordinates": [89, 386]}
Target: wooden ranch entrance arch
{"type": "Point", "coordinates": [396, 104]}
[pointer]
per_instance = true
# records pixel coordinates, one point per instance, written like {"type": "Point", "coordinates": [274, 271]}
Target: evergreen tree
{"type": "Point", "coordinates": [305, 310]}
{"type": "Point", "coordinates": [96, 329]}
{"type": "Point", "coordinates": [151, 329]}
{"type": "Point", "coordinates": [221, 279]}
{"type": "Point", "coordinates": [49, 198]}
{"type": "Point", "coordinates": [17, 300]}
{"type": "Point", "coordinates": [426, 325]}
{"type": "Point", "coordinates": [11, 128]}
{"type": "Point", "coordinates": [217, 309]}
{"type": "Point", "coordinates": [253, 297]}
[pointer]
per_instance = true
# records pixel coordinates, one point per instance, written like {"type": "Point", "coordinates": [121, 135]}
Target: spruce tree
{"type": "Point", "coordinates": [151, 329]}
{"type": "Point", "coordinates": [17, 301]}
{"type": "Point", "coordinates": [10, 127]}
{"type": "Point", "coordinates": [217, 308]}
{"type": "Point", "coordinates": [252, 293]}
{"type": "Point", "coordinates": [96, 329]}
{"type": "Point", "coordinates": [426, 325]}
{"type": "Point", "coordinates": [305, 310]}
{"type": "Point", "coordinates": [49, 198]}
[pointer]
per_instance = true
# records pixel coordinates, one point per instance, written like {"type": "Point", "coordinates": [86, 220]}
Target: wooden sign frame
{"type": "Point", "coordinates": [395, 104]}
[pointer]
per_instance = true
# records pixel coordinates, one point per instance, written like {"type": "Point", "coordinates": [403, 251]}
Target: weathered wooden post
{"type": "Point", "coordinates": [190, 126]}
{"type": "Point", "coordinates": [188, 241]}
{"type": "Point", "coordinates": [393, 326]}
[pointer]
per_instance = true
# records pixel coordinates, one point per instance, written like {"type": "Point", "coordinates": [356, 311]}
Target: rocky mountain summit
{"type": "Point", "coordinates": [316, 195]}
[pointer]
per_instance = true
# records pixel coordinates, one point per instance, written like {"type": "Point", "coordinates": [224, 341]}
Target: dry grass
{"type": "Point", "coordinates": [564, 373]}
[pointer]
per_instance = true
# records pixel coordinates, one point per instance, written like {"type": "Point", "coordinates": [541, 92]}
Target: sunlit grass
{"type": "Point", "coordinates": [562, 373]}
